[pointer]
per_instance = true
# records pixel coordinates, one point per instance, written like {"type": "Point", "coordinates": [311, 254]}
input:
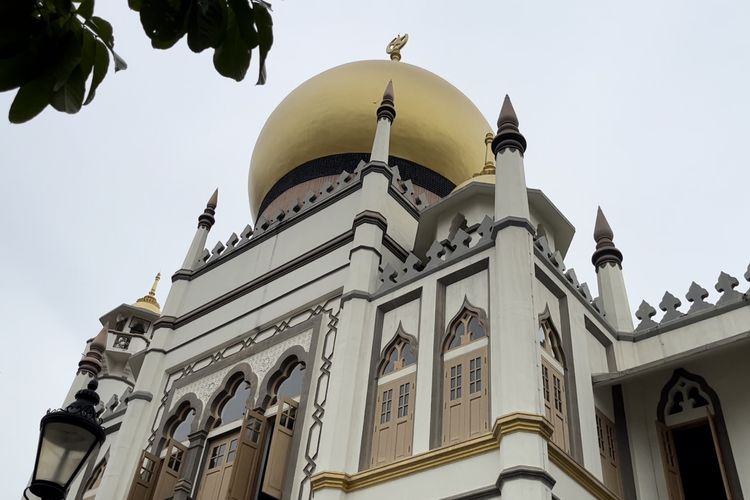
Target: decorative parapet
{"type": "Point", "coordinates": [697, 296]}
{"type": "Point", "coordinates": [403, 188]}
{"type": "Point", "coordinates": [441, 253]}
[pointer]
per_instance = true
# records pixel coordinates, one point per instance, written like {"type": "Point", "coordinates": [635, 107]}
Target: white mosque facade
{"type": "Point", "coordinates": [399, 323]}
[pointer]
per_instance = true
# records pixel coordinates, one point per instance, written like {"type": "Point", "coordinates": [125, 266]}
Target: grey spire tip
{"type": "Point", "coordinates": [507, 113]}
{"type": "Point", "coordinates": [213, 201]}
{"type": "Point", "coordinates": [386, 109]}
{"type": "Point", "coordinates": [508, 135]}
{"type": "Point", "coordinates": [602, 229]}
{"type": "Point", "coordinates": [388, 94]}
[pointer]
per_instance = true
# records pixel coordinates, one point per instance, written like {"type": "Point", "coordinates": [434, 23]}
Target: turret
{"type": "Point", "coordinates": [509, 146]}
{"type": "Point", "coordinates": [205, 223]}
{"type": "Point", "coordinates": [386, 115]}
{"type": "Point", "coordinates": [607, 260]}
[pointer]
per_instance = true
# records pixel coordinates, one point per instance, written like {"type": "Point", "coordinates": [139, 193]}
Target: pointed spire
{"type": "Point", "coordinates": [606, 251]}
{"type": "Point", "coordinates": [387, 109]}
{"type": "Point", "coordinates": [92, 360]}
{"type": "Point", "coordinates": [508, 135]}
{"type": "Point", "coordinates": [148, 301]}
{"type": "Point", "coordinates": [206, 219]}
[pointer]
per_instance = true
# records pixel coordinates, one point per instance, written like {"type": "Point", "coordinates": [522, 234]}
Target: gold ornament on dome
{"type": "Point", "coordinates": [394, 47]}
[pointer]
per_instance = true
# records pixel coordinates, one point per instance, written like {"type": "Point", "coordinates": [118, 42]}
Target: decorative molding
{"type": "Point", "coordinates": [526, 472]}
{"type": "Point", "coordinates": [580, 475]}
{"type": "Point", "coordinates": [512, 222]}
{"type": "Point", "coordinates": [370, 217]}
{"type": "Point", "coordinates": [144, 395]}
{"type": "Point", "coordinates": [514, 422]}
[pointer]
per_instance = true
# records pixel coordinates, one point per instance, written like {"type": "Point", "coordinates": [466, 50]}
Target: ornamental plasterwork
{"type": "Point", "coordinates": [260, 362]}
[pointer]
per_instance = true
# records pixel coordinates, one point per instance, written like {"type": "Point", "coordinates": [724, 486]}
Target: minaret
{"type": "Point", "coordinates": [341, 438]}
{"type": "Point", "coordinates": [205, 223]}
{"type": "Point", "coordinates": [607, 260]}
{"type": "Point", "coordinates": [90, 365]}
{"type": "Point", "coordinates": [386, 115]}
{"type": "Point", "coordinates": [514, 346]}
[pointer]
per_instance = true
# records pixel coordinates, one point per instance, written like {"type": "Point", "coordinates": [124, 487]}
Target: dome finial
{"type": "Point", "coordinates": [489, 165]}
{"type": "Point", "coordinates": [149, 301]}
{"type": "Point", "coordinates": [394, 47]}
{"type": "Point", "coordinates": [508, 135]}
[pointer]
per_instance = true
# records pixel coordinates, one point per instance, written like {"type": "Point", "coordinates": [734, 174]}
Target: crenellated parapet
{"type": "Point", "coordinates": [696, 296]}
{"type": "Point", "coordinates": [402, 189]}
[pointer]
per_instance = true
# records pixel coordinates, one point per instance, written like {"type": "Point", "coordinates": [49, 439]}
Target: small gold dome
{"type": "Point", "coordinates": [436, 125]}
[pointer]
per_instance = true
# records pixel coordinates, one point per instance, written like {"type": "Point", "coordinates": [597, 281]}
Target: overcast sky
{"type": "Point", "coordinates": [641, 107]}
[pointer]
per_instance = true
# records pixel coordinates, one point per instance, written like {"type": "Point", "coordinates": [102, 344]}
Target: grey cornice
{"type": "Point", "coordinates": [182, 274]}
{"type": "Point", "coordinates": [392, 245]}
{"type": "Point", "coordinates": [376, 166]}
{"type": "Point", "coordinates": [266, 278]}
{"type": "Point", "coordinates": [512, 222]}
{"type": "Point", "coordinates": [368, 248]}
{"type": "Point", "coordinates": [355, 294]}
{"type": "Point", "coordinates": [165, 322]}
{"type": "Point", "coordinates": [479, 494]}
{"type": "Point", "coordinates": [144, 395]}
{"type": "Point", "coordinates": [119, 379]}
{"type": "Point", "coordinates": [370, 217]}
{"type": "Point", "coordinates": [686, 320]}
{"type": "Point", "coordinates": [525, 472]}
{"type": "Point", "coordinates": [112, 428]}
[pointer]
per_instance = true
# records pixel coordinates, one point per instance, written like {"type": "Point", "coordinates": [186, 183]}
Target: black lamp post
{"type": "Point", "coordinates": [67, 439]}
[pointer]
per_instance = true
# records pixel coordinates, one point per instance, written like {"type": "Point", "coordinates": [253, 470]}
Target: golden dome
{"type": "Point", "coordinates": [436, 125]}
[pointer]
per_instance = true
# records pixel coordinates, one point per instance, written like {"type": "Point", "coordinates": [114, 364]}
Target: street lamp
{"type": "Point", "coordinates": [66, 440]}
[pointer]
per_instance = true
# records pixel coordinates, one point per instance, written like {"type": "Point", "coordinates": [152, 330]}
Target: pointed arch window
{"type": "Point", "coordinates": [233, 408]}
{"type": "Point", "coordinates": [393, 425]}
{"type": "Point", "coordinates": [465, 376]}
{"type": "Point", "coordinates": [696, 454]}
{"type": "Point", "coordinates": [553, 382]}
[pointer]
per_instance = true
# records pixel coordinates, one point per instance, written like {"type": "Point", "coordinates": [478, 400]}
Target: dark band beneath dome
{"type": "Point", "coordinates": [335, 164]}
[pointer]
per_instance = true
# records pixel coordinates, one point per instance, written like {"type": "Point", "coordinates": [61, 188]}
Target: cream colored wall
{"type": "Point", "coordinates": [407, 315]}
{"type": "Point", "coordinates": [476, 290]}
{"type": "Point", "coordinates": [566, 488]}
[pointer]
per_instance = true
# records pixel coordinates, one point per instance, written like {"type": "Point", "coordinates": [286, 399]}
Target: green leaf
{"type": "Point", "coordinates": [164, 21]}
{"type": "Point", "coordinates": [69, 58]}
{"type": "Point", "coordinates": [207, 24]}
{"type": "Point", "coordinates": [88, 49]}
{"type": "Point", "coordinates": [232, 57]}
{"type": "Point", "coordinates": [101, 64]}
{"type": "Point", "coordinates": [264, 23]}
{"type": "Point", "coordinates": [30, 100]}
{"type": "Point", "coordinates": [134, 5]}
{"type": "Point", "coordinates": [69, 98]}
{"type": "Point", "coordinates": [86, 9]}
{"type": "Point", "coordinates": [102, 29]}
{"type": "Point", "coordinates": [245, 18]}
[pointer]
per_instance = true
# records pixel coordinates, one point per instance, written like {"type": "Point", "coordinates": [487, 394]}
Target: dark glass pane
{"type": "Point", "coordinates": [699, 466]}
{"type": "Point", "coordinates": [235, 407]}
{"type": "Point", "coordinates": [391, 364]}
{"type": "Point", "coordinates": [180, 434]}
{"type": "Point", "coordinates": [457, 334]}
{"type": "Point", "coordinates": [292, 386]}
{"type": "Point", "coordinates": [408, 355]}
{"type": "Point", "coordinates": [475, 329]}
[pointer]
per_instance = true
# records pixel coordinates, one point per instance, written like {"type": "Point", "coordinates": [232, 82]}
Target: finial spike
{"type": "Point", "coordinates": [602, 228]}
{"type": "Point", "coordinates": [206, 219]}
{"type": "Point", "coordinates": [152, 292]}
{"type": "Point", "coordinates": [387, 108]}
{"type": "Point", "coordinates": [149, 301]}
{"type": "Point", "coordinates": [214, 200]}
{"type": "Point", "coordinates": [508, 136]}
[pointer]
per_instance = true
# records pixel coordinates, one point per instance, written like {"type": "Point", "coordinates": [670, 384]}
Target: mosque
{"type": "Point", "coordinates": [399, 323]}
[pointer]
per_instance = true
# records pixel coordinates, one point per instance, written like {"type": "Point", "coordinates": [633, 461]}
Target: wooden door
{"type": "Point", "coordinates": [555, 404]}
{"type": "Point", "coordinates": [243, 482]}
{"type": "Point", "coordinates": [475, 388]}
{"type": "Point", "coordinates": [281, 444]}
{"type": "Point", "coordinates": [143, 483]}
{"type": "Point", "coordinates": [719, 456]}
{"type": "Point", "coordinates": [669, 459]}
{"type": "Point", "coordinates": [454, 425]}
{"type": "Point", "coordinates": [394, 421]}
{"type": "Point", "coordinates": [217, 470]}
{"type": "Point", "coordinates": [170, 470]}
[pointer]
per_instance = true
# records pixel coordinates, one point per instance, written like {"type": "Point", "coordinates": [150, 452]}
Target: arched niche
{"type": "Point", "coordinates": [466, 326]}
{"type": "Point", "coordinates": [181, 422]}
{"type": "Point", "coordinates": [240, 383]}
{"type": "Point", "coordinates": [398, 353]}
{"type": "Point", "coordinates": [286, 366]}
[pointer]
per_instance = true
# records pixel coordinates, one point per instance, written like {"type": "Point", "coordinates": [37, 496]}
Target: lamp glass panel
{"type": "Point", "coordinates": [64, 447]}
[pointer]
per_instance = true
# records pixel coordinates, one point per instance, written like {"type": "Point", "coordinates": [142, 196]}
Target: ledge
{"type": "Point", "coordinates": [514, 422]}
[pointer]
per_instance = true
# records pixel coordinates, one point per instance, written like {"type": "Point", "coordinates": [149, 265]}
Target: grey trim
{"type": "Point", "coordinates": [264, 279]}
{"type": "Point", "coordinates": [112, 428]}
{"type": "Point", "coordinates": [370, 217]}
{"type": "Point", "coordinates": [478, 494]}
{"type": "Point", "coordinates": [392, 245]}
{"type": "Point", "coordinates": [571, 387]}
{"type": "Point", "coordinates": [191, 466]}
{"type": "Point", "coordinates": [366, 247]}
{"type": "Point", "coordinates": [296, 351]}
{"type": "Point", "coordinates": [144, 395]}
{"type": "Point", "coordinates": [265, 304]}
{"type": "Point", "coordinates": [354, 294]}
{"type": "Point", "coordinates": [365, 449]}
{"type": "Point", "coordinates": [512, 221]}
{"type": "Point", "coordinates": [604, 379]}
{"type": "Point", "coordinates": [624, 458]}
{"type": "Point", "coordinates": [168, 418]}
{"type": "Point", "coordinates": [119, 379]}
{"type": "Point", "coordinates": [686, 320]}
{"type": "Point", "coordinates": [525, 472]}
